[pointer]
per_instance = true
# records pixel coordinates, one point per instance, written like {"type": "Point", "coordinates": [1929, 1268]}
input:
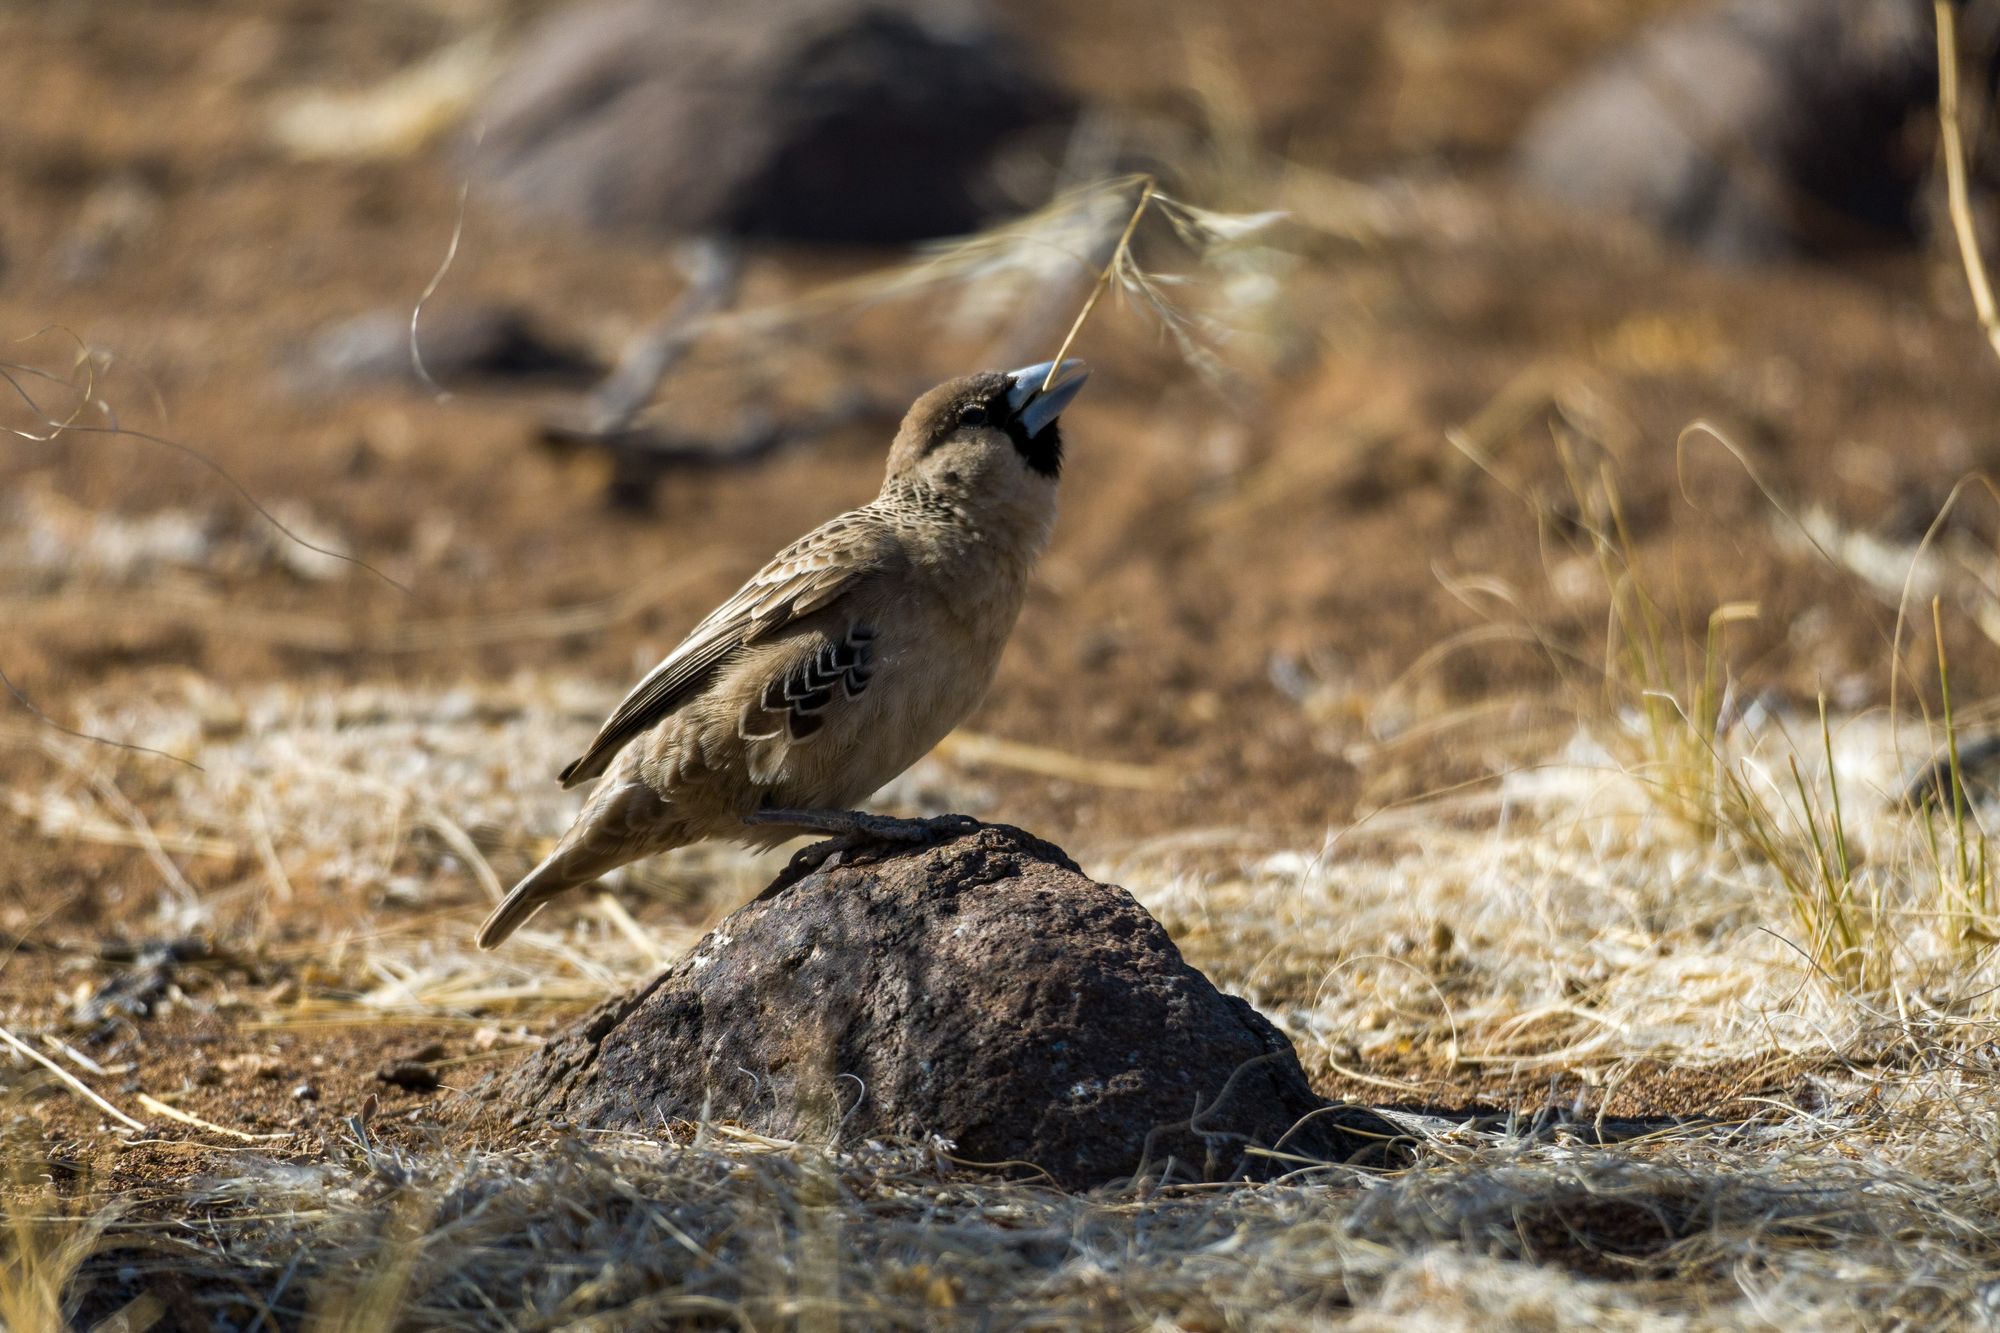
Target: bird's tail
{"type": "Point", "coordinates": [554, 876]}
{"type": "Point", "coordinates": [623, 820]}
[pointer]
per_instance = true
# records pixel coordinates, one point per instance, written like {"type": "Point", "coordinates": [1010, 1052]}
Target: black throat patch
{"type": "Point", "coordinates": [1043, 453]}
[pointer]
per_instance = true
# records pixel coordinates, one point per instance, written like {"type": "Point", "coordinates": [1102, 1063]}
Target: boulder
{"type": "Point", "coordinates": [977, 989]}
{"type": "Point", "coordinates": [825, 120]}
{"type": "Point", "coordinates": [1751, 129]}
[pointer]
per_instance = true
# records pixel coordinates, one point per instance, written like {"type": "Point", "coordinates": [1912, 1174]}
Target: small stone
{"type": "Point", "coordinates": [305, 1092]}
{"type": "Point", "coordinates": [409, 1075]}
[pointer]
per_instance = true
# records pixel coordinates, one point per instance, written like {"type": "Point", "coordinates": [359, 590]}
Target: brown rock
{"type": "Point", "coordinates": [979, 989]}
{"type": "Point", "coordinates": [825, 120]}
{"type": "Point", "coordinates": [1751, 129]}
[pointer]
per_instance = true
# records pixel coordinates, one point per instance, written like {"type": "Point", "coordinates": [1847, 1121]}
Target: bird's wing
{"type": "Point", "coordinates": [802, 578]}
{"type": "Point", "coordinates": [824, 672]}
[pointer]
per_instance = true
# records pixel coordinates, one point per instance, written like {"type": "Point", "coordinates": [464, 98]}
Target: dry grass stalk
{"type": "Point", "coordinates": [76, 1057]}
{"type": "Point", "coordinates": [158, 1107]}
{"type": "Point", "coordinates": [69, 1080]}
{"type": "Point", "coordinates": [1010, 267]}
{"type": "Point", "coordinates": [1958, 196]}
{"type": "Point", "coordinates": [1888, 904]}
{"type": "Point", "coordinates": [1119, 256]}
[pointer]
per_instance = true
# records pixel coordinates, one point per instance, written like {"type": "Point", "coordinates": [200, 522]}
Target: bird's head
{"type": "Point", "coordinates": [988, 438]}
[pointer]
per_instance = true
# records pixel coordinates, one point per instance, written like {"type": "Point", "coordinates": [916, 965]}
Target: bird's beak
{"type": "Point", "coordinates": [1034, 406]}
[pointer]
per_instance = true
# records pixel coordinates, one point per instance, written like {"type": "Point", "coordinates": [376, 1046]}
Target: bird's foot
{"type": "Point", "coordinates": [849, 830]}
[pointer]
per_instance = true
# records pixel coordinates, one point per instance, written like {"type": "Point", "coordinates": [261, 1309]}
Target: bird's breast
{"type": "Point", "coordinates": [935, 657]}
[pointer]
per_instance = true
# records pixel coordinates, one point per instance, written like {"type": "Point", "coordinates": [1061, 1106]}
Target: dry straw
{"type": "Point", "coordinates": [1694, 1227]}
{"type": "Point", "coordinates": [995, 274]}
{"type": "Point", "coordinates": [1952, 146]}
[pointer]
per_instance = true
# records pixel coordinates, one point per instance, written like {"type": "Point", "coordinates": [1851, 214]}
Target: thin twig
{"type": "Point", "coordinates": [70, 1080]}
{"type": "Point", "coordinates": [87, 398]}
{"type": "Point", "coordinates": [154, 1104]}
{"type": "Point", "coordinates": [48, 721]}
{"type": "Point", "coordinates": [61, 1047]}
{"type": "Point", "coordinates": [438, 391]}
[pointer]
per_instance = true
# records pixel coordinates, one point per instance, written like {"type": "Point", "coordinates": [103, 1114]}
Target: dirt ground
{"type": "Point", "coordinates": [1288, 610]}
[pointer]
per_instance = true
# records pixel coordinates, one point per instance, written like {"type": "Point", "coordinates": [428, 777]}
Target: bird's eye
{"type": "Point", "coordinates": [974, 415]}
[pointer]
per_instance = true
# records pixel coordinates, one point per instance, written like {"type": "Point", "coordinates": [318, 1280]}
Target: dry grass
{"type": "Point", "coordinates": [45, 1240]}
{"type": "Point", "coordinates": [1823, 1219]}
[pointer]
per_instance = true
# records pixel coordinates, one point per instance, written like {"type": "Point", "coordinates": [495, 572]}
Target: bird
{"type": "Point", "coordinates": [842, 661]}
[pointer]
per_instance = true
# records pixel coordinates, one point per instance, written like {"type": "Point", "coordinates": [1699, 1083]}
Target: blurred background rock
{"type": "Point", "coordinates": [1753, 129]}
{"type": "Point", "coordinates": [813, 120]}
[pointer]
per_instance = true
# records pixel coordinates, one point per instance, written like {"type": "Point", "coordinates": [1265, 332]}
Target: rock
{"type": "Point", "coordinates": [828, 120]}
{"type": "Point", "coordinates": [458, 343]}
{"type": "Point", "coordinates": [979, 989]}
{"type": "Point", "coordinates": [1751, 129]}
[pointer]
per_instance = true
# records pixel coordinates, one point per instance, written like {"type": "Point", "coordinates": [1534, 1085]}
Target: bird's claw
{"type": "Point", "coordinates": [860, 827]}
{"type": "Point", "coordinates": [850, 831]}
